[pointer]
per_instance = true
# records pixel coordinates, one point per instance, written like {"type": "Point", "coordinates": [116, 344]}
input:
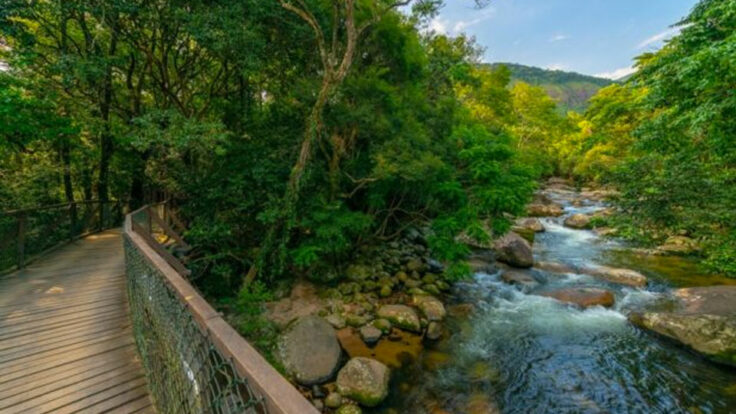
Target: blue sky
{"type": "Point", "coordinates": [594, 37]}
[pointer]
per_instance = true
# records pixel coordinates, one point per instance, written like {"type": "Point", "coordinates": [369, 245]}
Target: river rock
{"type": "Point", "coordinates": [555, 267]}
{"type": "Point", "coordinates": [544, 210]}
{"type": "Point", "coordinates": [364, 380]}
{"type": "Point", "coordinates": [349, 409]}
{"type": "Point", "coordinates": [400, 316]}
{"type": "Point", "coordinates": [434, 331]}
{"type": "Point", "coordinates": [337, 321]}
{"type": "Point", "coordinates": [679, 245]}
{"type": "Point", "coordinates": [333, 400]}
{"type": "Point", "coordinates": [383, 325]}
{"type": "Point", "coordinates": [514, 250]}
{"type": "Point", "coordinates": [357, 273]}
{"type": "Point", "coordinates": [431, 307]}
{"type": "Point", "coordinates": [528, 235]}
{"type": "Point", "coordinates": [583, 297]}
{"type": "Point", "coordinates": [309, 350]}
{"type": "Point", "coordinates": [522, 279]}
{"type": "Point", "coordinates": [530, 223]}
{"type": "Point", "coordinates": [614, 275]}
{"type": "Point", "coordinates": [578, 221]}
{"type": "Point", "coordinates": [370, 334]}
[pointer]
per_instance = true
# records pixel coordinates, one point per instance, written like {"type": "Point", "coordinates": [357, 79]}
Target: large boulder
{"type": "Point", "coordinates": [704, 320]}
{"type": "Point", "coordinates": [583, 297]}
{"type": "Point", "coordinates": [309, 350]}
{"type": "Point", "coordinates": [711, 335]}
{"type": "Point", "coordinates": [431, 307]}
{"type": "Point", "coordinates": [577, 221]}
{"type": "Point", "coordinates": [512, 249]}
{"type": "Point", "coordinates": [400, 316]}
{"type": "Point", "coordinates": [364, 380]}
{"type": "Point", "coordinates": [615, 275]}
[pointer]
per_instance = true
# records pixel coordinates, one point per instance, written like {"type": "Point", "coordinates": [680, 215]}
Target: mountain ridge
{"type": "Point", "coordinates": [571, 90]}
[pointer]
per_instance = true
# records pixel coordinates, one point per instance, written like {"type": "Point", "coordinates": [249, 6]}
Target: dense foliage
{"type": "Point", "coordinates": [289, 133]}
{"type": "Point", "coordinates": [667, 138]}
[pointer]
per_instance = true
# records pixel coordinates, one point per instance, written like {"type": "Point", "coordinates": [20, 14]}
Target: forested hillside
{"type": "Point", "coordinates": [570, 90]}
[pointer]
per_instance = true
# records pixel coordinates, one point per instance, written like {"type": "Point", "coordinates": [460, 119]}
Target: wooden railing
{"type": "Point", "coordinates": [195, 361]}
{"type": "Point", "coordinates": [26, 234]}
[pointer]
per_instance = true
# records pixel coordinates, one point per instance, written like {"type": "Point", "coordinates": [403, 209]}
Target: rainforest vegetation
{"type": "Point", "coordinates": [290, 133]}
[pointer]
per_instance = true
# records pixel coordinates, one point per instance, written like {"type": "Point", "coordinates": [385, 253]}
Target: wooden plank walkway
{"type": "Point", "coordinates": [66, 344]}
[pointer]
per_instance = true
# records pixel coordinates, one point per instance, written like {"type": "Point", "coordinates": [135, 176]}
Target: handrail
{"type": "Point", "coordinates": [194, 360]}
{"type": "Point", "coordinates": [37, 230]}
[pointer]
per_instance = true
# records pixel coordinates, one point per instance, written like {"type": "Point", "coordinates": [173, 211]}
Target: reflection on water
{"type": "Point", "coordinates": [522, 353]}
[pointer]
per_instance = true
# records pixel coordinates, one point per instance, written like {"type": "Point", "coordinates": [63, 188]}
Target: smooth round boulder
{"type": "Point", "coordinates": [370, 334]}
{"type": "Point", "coordinates": [309, 350]}
{"type": "Point", "coordinates": [512, 249]}
{"type": "Point", "coordinates": [364, 380]}
{"type": "Point", "coordinates": [400, 316]}
{"type": "Point", "coordinates": [583, 297]}
{"type": "Point", "coordinates": [578, 221]}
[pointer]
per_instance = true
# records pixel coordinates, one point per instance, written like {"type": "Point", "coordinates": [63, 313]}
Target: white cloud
{"type": "Point", "coordinates": [438, 25]}
{"type": "Point", "coordinates": [659, 37]}
{"type": "Point", "coordinates": [558, 38]}
{"type": "Point", "coordinates": [446, 26]}
{"type": "Point", "coordinates": [483, 15]}
{"type": "Point", "coordinates": [617, 74]}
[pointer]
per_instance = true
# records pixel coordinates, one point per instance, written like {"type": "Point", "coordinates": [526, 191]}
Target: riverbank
{"type": "Point", "coordinates": [552, 315]}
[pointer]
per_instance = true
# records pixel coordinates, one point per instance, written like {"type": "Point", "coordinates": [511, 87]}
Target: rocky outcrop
{"type": "Point", "coordinates": [711, 335]}
{"type": "Point", "coordinates": [512, 249]}
{"type": "Point", "coordinates": [583, 297]}
{"type": "Point", "coordinates": [309, 350]}
{"type": "Point", "coordinates": [705, 320]}
{"type": "Point", "coordinates": [578, 221]}
{"type": "Point", "coordinates": [400, 316]}
{"type": "Point", "coordinates": [364, 380]}
{"type": "Point", "coordinates": [615, 275]}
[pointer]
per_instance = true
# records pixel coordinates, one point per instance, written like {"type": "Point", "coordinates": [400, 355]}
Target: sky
{"type": "Point", "coordinates": [593, 37]}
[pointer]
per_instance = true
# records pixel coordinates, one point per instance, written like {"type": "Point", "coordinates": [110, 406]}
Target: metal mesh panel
{"type": "Point", "coordinates": [185, 372]}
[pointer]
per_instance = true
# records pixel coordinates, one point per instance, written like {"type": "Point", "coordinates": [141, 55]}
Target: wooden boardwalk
{"type": "Point", "coordinates": [66, 344]}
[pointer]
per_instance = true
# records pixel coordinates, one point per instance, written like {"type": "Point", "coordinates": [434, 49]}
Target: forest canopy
{"type": "Point", "coordinates": [291, 133]}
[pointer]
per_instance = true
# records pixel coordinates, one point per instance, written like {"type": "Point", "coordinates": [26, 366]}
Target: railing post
{"type": "Point", "coordinates": [72, 220]}
{"type": "Point", "coordinates": [21, 240]}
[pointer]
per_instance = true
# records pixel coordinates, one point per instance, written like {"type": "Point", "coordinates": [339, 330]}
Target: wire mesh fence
{"type": "Point", "coordinates": [186, 371]}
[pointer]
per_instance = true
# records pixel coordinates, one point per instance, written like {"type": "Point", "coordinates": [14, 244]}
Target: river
{"type": "Point", "coordinates": [518, 352]}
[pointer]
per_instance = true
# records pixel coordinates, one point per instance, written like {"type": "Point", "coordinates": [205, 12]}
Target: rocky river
{"type": "Point", "coordinates": [558, 337]}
